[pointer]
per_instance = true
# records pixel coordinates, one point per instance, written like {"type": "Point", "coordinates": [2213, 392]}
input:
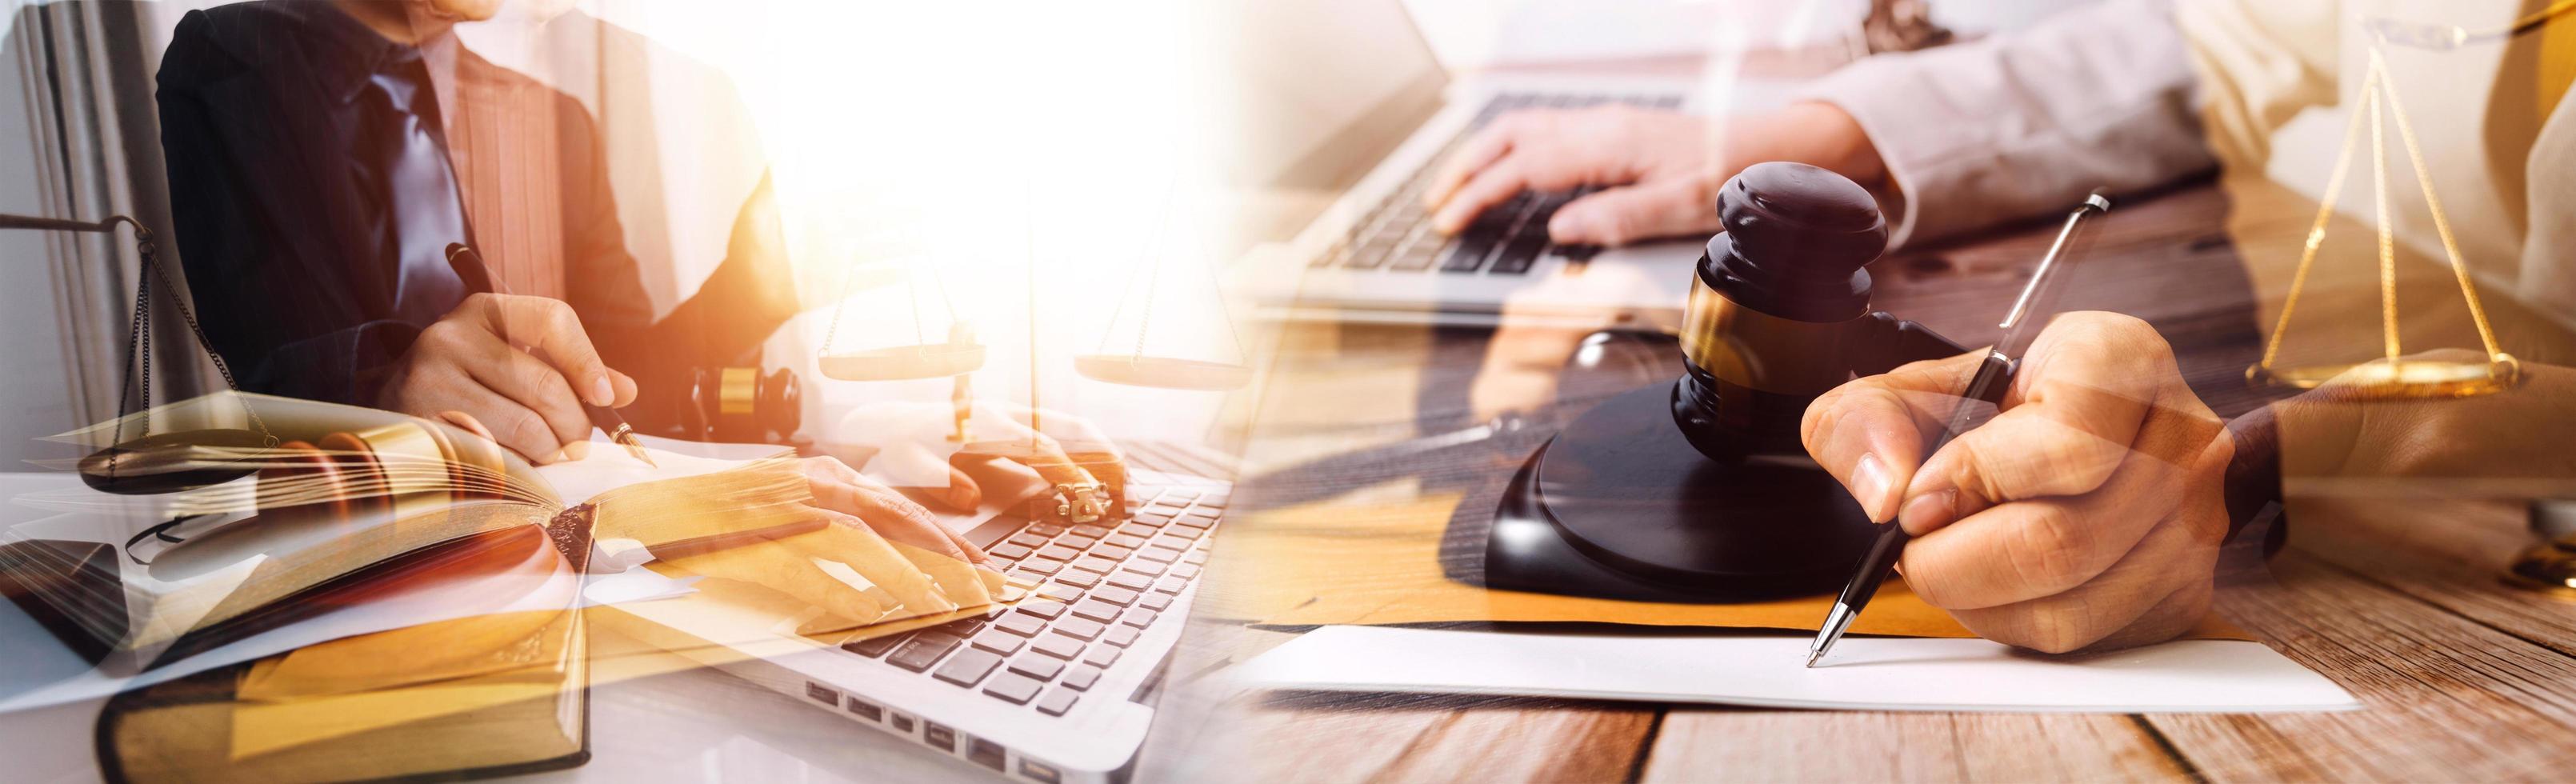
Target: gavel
{"type": "Point", "coordinates": [403, 467]}
{"type": "Point", "coordinates": [1699, 490]}
{"type": "Point", "coordinates": [1779, 310]}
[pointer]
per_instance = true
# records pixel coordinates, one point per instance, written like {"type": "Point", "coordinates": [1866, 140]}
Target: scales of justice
{"type": "Point", "coordinates": [960, 355]}
{"type": "Point", "coordinates": [1700, 490]}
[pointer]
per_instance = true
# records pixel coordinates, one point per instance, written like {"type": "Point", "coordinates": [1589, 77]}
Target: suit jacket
{"type": "Point", "coordinates": [285, 254]}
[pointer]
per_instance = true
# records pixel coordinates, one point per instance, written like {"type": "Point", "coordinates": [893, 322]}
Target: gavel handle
{"type": "Point", "coordinates": [1888, 341]}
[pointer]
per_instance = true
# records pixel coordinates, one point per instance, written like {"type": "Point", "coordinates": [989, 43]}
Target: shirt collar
{"type": "Point", "coordinates": [347, 53]}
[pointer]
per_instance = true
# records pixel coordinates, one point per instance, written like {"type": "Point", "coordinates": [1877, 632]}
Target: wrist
{"type": "Point", "coordinates": [1834, 140]}
{"type": "Point", "coordinates": [2252, 484]}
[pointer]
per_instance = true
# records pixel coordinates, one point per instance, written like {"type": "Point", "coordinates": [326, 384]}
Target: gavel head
{"type": "Point", "coordinates": [1774, 307]}
{"type": "Point", "coordinates": [739, 404]}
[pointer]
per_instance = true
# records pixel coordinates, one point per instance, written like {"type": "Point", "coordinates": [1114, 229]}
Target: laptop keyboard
{"type": "Point", "coordinates": [1097, 587]}
{"type": "Point", "coordinates": [1507, 239]}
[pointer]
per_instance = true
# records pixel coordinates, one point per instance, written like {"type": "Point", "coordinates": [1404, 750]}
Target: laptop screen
{"type": "Point", "coordinates": [1317, 91]}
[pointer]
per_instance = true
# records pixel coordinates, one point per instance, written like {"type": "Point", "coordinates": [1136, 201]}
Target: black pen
{"type": "Point", "coordinates": [478, 278]}
{"type": "Point", "coordinates": [1983, 395]}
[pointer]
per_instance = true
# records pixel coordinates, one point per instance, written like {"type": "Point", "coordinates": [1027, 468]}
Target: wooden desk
{"type": "Point", "coordinates": [2463, 678]}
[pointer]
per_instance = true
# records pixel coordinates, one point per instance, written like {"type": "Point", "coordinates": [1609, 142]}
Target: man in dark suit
{"type": "Point", "coordinates": [319, 171]}
{"type": "Point", "coordinates": [316, 192]}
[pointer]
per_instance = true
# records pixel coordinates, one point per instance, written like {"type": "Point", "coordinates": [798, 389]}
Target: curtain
{"type": "Point", "coordinates": [94, 141]}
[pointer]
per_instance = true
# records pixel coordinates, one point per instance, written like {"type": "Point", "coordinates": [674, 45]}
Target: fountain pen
{"type": "Point", "coordinates": [1978, 403]}
{"type": "Point", "coordinates": [617, 429]}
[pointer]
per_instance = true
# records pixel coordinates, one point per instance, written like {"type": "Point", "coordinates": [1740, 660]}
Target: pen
{"type": "Point", "coordinates": [469, 267]}
{"type": "Point", "coordinates": [1994, 375]}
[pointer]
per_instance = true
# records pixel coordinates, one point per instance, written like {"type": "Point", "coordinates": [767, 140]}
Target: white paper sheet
{"type": "Point", "coordinates": [1863, 673]}
{"type": "Point", "coordinates": [609, 466]}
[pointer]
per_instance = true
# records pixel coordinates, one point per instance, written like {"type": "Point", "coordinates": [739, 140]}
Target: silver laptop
{"type": "Point", "coordinates": [1343, 98]}
{"type": "Point", "coordinates": [1056, 688]}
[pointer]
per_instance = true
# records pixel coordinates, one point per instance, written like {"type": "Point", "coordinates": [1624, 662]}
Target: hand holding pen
{"type": "Point", "coordinates": [521, 368]}
{"type": "Point", "coordinates": [2071, 497]}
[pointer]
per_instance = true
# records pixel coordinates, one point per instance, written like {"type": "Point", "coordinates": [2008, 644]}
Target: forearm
{"type": "Point", "coordinates": [2025, 123]}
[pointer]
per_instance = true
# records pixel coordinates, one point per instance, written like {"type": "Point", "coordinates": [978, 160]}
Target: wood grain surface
{"type": "Point", "coordinates": [2463, 677]}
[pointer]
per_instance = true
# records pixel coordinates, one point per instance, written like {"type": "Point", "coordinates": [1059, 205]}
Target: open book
{"type": "Point", "coordinates": [255, 513]}
{"type": "Point", "coordinates": [344, 495]}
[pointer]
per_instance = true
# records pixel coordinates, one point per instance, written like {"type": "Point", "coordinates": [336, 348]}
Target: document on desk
{"type": "Point", "coordinates": [1762, 670]}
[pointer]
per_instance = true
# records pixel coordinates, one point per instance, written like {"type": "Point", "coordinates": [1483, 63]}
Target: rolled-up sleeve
{"type": "Point", "coordinates": [2026, 123]}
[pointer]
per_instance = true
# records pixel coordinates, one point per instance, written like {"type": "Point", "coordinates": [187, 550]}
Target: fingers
{"type": "Point", "coordinates": [1047, 457]}
{"type": "Point", "coordinates": [624, 388]}
{"type": "Point", "coordinates": [1477, 152]}
{"type": "Point", "coordinates": [964, 494]}
{"type": "Point", "coordinates": [923, 582]}
{"type": "Point", "coordinates": [2079, 402]}
{"type": "Point", "coordinates": [2170, 617]}
{"type": "Point", "coordinates": [2066, 445]}
{"type": "Point", "coordinates": [2025, 550]}
{"type": "Point", "coordinates": [1619, 216]}
{"type": "Point", "coordinates": [842, 565]}
{"type": "Point", "coordinates": [1870, 433]}
{"type": "Point", "coordinates": [1534, 150]}
{"type": "Point", "coordinates": [960, 493]}
{"type": "Point", "coordinates": [1489, 186]}
{"type": "Point", "coordinates": [876, 562]}
{"type": "Point", "coordinates": [838, 488]}
{"type": "Point", "coordinates": [468, 423]}
{"type": "Point", "coordinates": [785, 569]}
{"type": "Point", "coordinates": [537, 387]}
{"type": "Point", "coordinates": [886, 511]}
{"type": "Point", "coordinates": [507, 421]}
{"type": "Point", "coordinates": [549, 328]}
{"type": "Point", "coordinates": [2153, 592]}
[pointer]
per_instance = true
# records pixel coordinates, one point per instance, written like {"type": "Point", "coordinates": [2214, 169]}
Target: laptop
{"type": "Point", "coordinates": [1054, 688]}
{"type": "Point", "coordinates": [1344, 97]}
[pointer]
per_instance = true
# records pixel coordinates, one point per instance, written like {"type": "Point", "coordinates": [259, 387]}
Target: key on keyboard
{"type": "Point", "coordinates": [1075, 626]}
{"type": "Point", "coordinates": [967, 667]}
{"type": "Point", "coordinates": [1015, 689]}
{"type": "Point", "coordinates": [923, 650]}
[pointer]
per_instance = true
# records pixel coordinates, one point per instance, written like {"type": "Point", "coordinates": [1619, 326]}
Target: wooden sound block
{"type": "Point", "coordinates": [170, 462]}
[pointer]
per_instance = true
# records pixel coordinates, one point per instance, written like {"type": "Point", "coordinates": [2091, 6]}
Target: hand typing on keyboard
{"type": "Point", "coordinates": [1095, 592]}
{"type": "Point", "coordinates": [913, 448]}
{"type": "Point", "coordinates": [1658, 170]}
{"type": "Point", "coordinates": [847, 545]}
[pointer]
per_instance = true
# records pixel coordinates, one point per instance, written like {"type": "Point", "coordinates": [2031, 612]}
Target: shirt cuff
{"type": "Point", "coordinates": [1877, 94]}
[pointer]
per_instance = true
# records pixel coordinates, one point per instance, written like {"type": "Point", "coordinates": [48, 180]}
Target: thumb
{"type": "Point", "coordinates": [1869, 432]}
{"type": "Point", "coordinates": [1618, 216]}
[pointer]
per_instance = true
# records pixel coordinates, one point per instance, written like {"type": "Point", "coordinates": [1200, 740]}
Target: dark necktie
{"type": "Point", "coordinates": [403, 157]}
